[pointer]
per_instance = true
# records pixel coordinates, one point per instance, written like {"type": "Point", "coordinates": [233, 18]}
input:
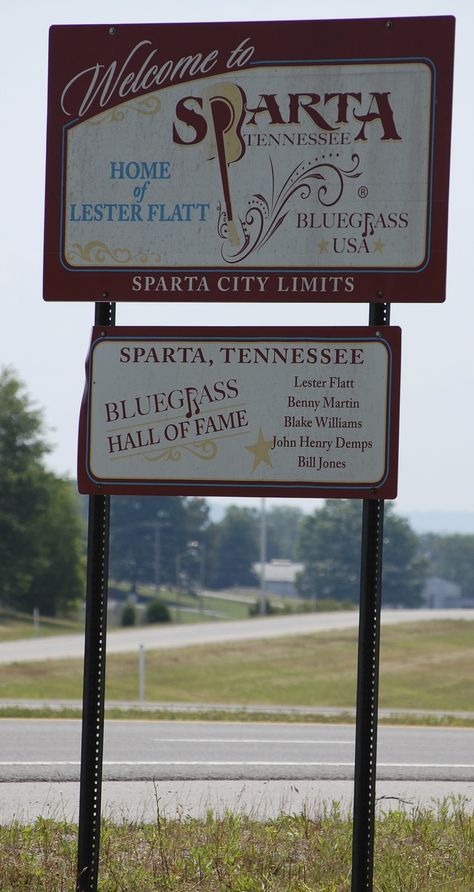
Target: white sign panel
{"type": "Point", "coordinates": [311, 412]}
{"type": "Point", "coordinates": [303, 178]}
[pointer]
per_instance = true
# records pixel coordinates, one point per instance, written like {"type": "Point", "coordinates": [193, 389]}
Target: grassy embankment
{"type": "Point", "coordinates": [183, 608]}
{"type": "Point", "coordinates": [424, 666]}
{"type": "Point", "coordinates": [15, 625]}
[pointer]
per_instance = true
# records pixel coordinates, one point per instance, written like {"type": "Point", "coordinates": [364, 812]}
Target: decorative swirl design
{"type": "Point", "coordinates": [147, 105]}
{"type": "Point", "coordinates": [206, 451]}
{"type": "Point", "coordinates": [97, 253]}
{"type": "Point", "coordinates": [264, 217]}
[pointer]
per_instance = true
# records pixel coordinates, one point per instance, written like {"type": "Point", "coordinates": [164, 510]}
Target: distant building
{"type": "Point", "coordinates": [279, 577]}
{"type": "Point", "coordinates": [441, 593]}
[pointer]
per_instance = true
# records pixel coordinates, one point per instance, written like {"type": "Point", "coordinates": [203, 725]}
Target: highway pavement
{"type": "Point", "coordinates": [259, 768]}
{"type": "Point", "coordinates": [49, 750]}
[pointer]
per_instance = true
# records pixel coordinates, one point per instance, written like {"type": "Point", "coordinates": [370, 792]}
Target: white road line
{"type": "Point", "coordinates": [197, 762]}
{"type": "Point", "coordinates": [246, 740]}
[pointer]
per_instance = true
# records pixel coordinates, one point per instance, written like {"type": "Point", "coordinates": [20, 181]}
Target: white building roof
{"type": "Point", "coordinates": [279, 570]}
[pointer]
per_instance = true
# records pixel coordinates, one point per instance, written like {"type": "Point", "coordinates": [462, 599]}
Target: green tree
{"type": "Point", "coordinates": [282, 523]}
{"type": "Point", "coordinates": [235, 548]}
{"type": "Point", "coordinates": [151, 537]}
{"type": "Point", "coordinates": [404, 567]}
{"type": "Point", "coordinates": [329, 546]}
{"type": "Point", "coordinates": [452, 557]}
{"type": "Point", "coordinates": [40, 528]}
{"type": "Point", "coordinates": [58, 582]}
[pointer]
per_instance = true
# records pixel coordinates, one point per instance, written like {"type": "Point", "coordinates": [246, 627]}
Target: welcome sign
{"type": "Point", "coordinates": [249, 161]}
{"type": "Point", "coordinates": [241, 412]}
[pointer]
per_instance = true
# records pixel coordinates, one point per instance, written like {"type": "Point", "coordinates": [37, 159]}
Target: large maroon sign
{"type": "Point", "coordinates": [257, 161]}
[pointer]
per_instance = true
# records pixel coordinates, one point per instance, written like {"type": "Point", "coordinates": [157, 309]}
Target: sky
{"type": "Point", "coordinates": [46, 343]}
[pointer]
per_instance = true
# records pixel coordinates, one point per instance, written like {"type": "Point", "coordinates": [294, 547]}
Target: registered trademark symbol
{"type": "Point", "coordinates": [363, 192]}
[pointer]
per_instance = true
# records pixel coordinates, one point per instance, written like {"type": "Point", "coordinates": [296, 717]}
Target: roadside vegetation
{"type": "Point", "coordinates": [15, 625]}
{"type": "Point", "coordinates": [163, 714]}
{"type": "Point", "coordinates": [422, 851]}
{"type": "Point", "coordinates": [424, 666]}
{"type": "Point", "coordinates": [181, 607]}
{"type": "Point", "coordinates": [171, 606]}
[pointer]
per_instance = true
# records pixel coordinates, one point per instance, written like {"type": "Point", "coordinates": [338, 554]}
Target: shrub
{"type": "Point", "coordinates": [157, 612]}
{"type": "Point", "coordinates": [269, 609]}
{"type": "Point", "coordinates": [129, 615]}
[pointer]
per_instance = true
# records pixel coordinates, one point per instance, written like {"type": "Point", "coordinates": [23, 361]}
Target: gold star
{"type": "Point", "coordinates": [378, 246]}
{"type": "Point", "coordinates": [261, 450]}
{"type": "Point", "coordinates": [323, 246]}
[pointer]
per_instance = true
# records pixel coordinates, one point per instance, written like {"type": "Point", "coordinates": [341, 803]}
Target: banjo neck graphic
{"type": "Point", "coordinates": [226, 103]}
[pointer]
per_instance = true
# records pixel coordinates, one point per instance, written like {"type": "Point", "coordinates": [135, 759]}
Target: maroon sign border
{"type": "Point", "coordinates": [391, 335]}
{"type": "Point", "coordinates": [75, 47]}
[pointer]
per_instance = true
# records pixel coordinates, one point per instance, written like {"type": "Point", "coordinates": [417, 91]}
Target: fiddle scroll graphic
{"type": "Point", "coordinates": [227, 109]}
{"type": "Point", "coordinates": [321, 179]}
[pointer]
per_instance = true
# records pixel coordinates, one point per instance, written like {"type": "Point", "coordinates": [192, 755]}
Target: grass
{"type": "Point", "coordinates": [426, 666]}
{"type": "Point", "coordinates": [186, 608]}
{"type": "Point", "coordinates": [273, 672]}
{"type": "Point", "coordinates": [15, 625]}
{"type": "Point", "coordinates": [436, 668]}
{"type": "Point", "coordinates": [183, 608]}
{"type": "Point", "coordinates": [423, 851]}
{"type": "Point", "coordinates": [232, 715]}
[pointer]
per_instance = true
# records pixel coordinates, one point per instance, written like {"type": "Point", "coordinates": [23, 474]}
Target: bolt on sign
{"type": "Point", "coordinates": [241, 412]}
{"type": "Point", "coordinates": [287, 161]}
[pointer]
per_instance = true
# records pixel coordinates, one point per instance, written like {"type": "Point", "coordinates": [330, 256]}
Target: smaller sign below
{"type": "Point", "coordinates": [280, 412]}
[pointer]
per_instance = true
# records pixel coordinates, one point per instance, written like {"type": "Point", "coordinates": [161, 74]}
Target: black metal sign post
{"type": "Point", "coordinates": [94, 676]}
{"type": "Point", "coordinates": [368, 678]}
{"type": "Point", "coordinates": [367, 698]}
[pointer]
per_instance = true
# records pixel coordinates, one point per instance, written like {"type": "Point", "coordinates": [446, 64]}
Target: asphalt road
{"type": "Point", "coordinates": [256, 769]}
{"type": "Point", "coordinates": [49, 750]}
{"type": "Point", "coordinates": [174, 636]}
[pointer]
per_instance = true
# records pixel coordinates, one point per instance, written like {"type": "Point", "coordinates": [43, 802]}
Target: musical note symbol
{"type": "Point", "coordinates": [227, 109]}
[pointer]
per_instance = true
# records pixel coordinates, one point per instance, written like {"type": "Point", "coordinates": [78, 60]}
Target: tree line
{"type": "Point", "coordinates": [175, 542]}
